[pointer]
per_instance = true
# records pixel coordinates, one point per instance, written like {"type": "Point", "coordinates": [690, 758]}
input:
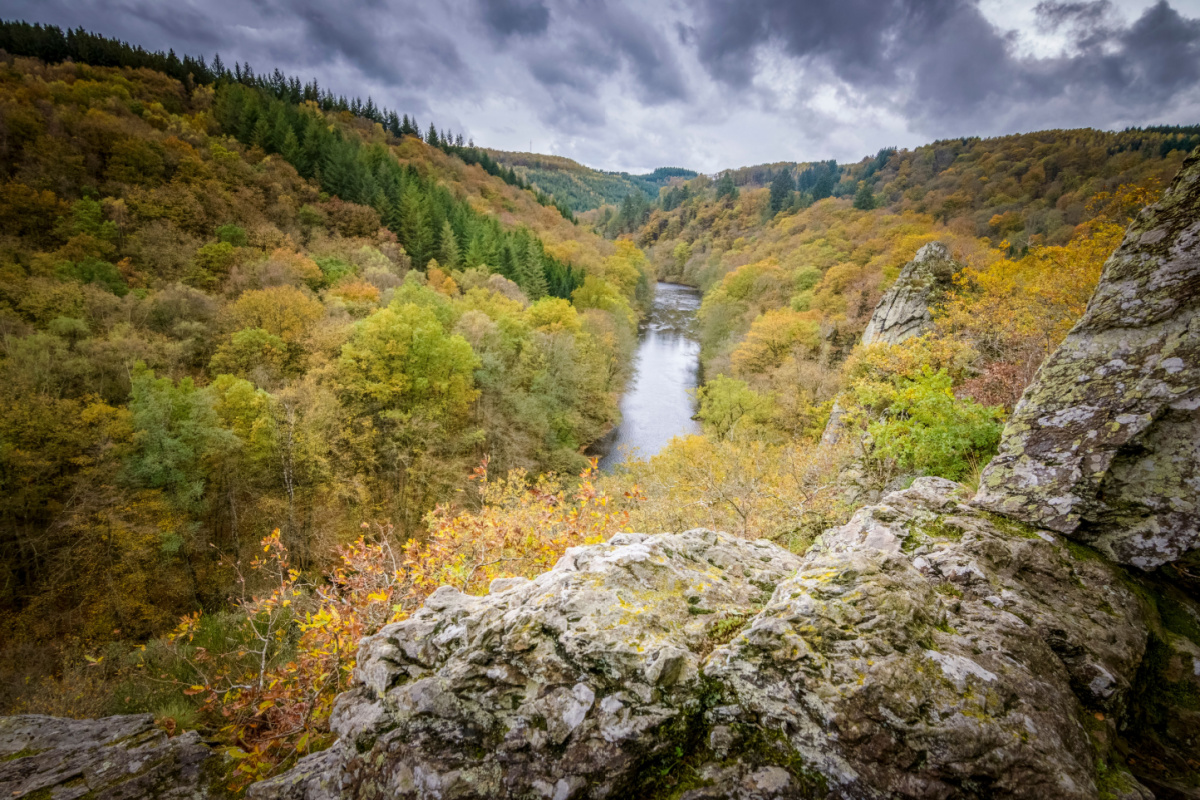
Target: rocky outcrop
{"type": "Point", "coordinates": [930, 648]}
{"type": "Point", "coordinates": [904, 311]}
{"type": "Point", "coordinates": [587, 677]}
{"type": "Point", "coordinates": [105, 759]}
{"type": "Point", "coordinates": [1104, 445]}
{"type": "Point", "coordinates": [926, 649]}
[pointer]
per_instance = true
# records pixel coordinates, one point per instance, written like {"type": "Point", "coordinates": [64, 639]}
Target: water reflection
{"type": "Point", "coordinates": [657, 405]}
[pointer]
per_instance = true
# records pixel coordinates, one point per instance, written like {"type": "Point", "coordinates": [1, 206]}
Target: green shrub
{"type": "Point", "coordinates": [97, 271]}
{"type": "Point", "coordinates": [233, 234]}
{"type": "Point", "coordinates": [728, 405]}
{"type": "Point", "coordinates": [333, 269]}
{"type": "Point", "coordinates": [920, 425]}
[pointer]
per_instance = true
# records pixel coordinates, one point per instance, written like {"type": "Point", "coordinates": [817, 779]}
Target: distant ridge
{"type": "Point", "coordinates": [583, 188]}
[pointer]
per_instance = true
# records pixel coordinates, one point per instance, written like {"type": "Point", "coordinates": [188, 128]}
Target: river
{"type": "Point", "coordinates": [657, 406]}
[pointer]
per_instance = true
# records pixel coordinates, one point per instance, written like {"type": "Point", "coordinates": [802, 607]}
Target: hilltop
{"type": "Point", "coordinates": [583, 188]}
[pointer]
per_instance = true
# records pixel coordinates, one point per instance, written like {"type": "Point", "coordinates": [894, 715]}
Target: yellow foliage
{"type": "Point", "coordinates": [566, 252]}
{"type": "Point", "coordinates": [600, 294]}
{"type": "Point", "coordinates": [553, 314]}
{"type": "Point", "coordinates": [773, 336]}
{"type": "Point", "coordinates": [626, 268]}
{"type": "Point", "coordinates": [783, 492]}
{"type": "Point", "coordinates": [1021, 309]}
{"type": "Point", "coordinates": [285, 311]}
{"type": "Point", "coordinates": [299, 265]}
{"type": "Point", "coordinates": [356, 291]}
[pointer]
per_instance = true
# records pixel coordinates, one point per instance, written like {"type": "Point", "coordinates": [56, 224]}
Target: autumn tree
{"type": "Point", "coordinates": [408, 386]}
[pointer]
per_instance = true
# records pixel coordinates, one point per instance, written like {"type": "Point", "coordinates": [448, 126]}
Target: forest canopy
{"type": "Point", "coordinates": [276, 364]}
{"type": "Point", "coordinates": [227, 308]}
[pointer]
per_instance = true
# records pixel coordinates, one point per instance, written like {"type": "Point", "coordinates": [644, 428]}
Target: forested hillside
{"type": "Point", "coordinates": [816, 244]}
{"type": "Point", "coordinates": [583, 188]}
{"type": "Point", "coordinates": [276, 365]}
{"type": "Point", "coordinates": [225, 311]}
{"type": "Point", "coordinates": [794, 258]}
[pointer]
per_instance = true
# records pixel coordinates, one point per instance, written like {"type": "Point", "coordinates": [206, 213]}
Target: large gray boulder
{"type": "Point", "coordinates": [570, 685]}
{"type": "Point", "coordinates": [113, 758]}
{"type": "Point", "coordinates": [906, 308]}
{"type": "Point", "coordinates": [926, 649]}
{"type": "Point", "coordinates": [1104, 445]}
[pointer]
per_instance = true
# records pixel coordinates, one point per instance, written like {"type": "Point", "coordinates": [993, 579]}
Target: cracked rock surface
{"type": "Point", "coordinates": [925, 649]}
{"type": "Point", "coordinates": [106, 759]}
{"type": "Point", "coordinates": [1104, 445]}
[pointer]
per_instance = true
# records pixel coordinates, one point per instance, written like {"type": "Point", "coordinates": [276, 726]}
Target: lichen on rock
{"type": "Point", "coordinates": [1104, 446]}
{"type": "Point", "coordinates": [925, 649]}
{"type": "Point", "coordinates": [928, 650]}
{"type": "Point", "coordinates": [585, 677]}
{"type": "Point", "coordinates": [106, 759]}
{"type": "Point", "coordinates": [906, 308]}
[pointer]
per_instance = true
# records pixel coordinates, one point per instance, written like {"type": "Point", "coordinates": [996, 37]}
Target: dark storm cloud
{"type": "Point", "coordinates": [509, 17]}
{"type": "Point", "coordinates": [643, 81]}
{"type": "Point", "coordinates": [949, 57]}
{"type": "Point", "coordinates": [387, 44]}
{"type": "Point", "coordinates": [1058, 14]}
{"type": "Point", "coordinates": [860, 39]}
{"type": "Point", "coordinates": [592, 40]}
{"type": "Point", "coordinates": [1162, 52]}
{"type": "Point", "coordinates": [366, 36]}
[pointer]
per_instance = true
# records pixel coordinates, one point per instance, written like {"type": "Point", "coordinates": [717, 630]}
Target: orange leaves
{"type": "Point", "coordinates": [298, 642]}
{"type": "Point", "coordinates": [521, 530]}
{"type": "Point", "coordinates": [1020, 309]}
{"type": "Point", "coordinates": [1015, 311]}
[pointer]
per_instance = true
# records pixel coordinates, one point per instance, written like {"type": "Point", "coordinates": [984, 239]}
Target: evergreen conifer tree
{"type": "Point", "coordinates": [781, 190]}
{"type": "Point", "coordinates": [262, 136]}
{"type": "Point", "coordinates": [864, 198]}
{"type": "Point", "coordinates": [291, 149]}
{"type": "Point", "coordinates": [414, 230]}
{"type": "Point", "coordinates": [824, 185]}
{"type": "Point", "coordinates": [726, 188]}
{"type": "Point", "coordinates": [531, 274]}
{"type": "Point", "coordinates": [448, 252]}
{"type": "Point", "coordinates": [477, 253]}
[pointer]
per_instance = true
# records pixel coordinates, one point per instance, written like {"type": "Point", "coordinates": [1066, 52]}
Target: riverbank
{"type": "Point", "coordinates": [658, 404]}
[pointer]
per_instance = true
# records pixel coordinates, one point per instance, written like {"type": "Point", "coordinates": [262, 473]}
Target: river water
{"type": "Point", "coordinates": [657, 406]}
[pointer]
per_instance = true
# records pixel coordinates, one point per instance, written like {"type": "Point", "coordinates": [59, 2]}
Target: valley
{"type": "Point", "coordinates": [342, 457]}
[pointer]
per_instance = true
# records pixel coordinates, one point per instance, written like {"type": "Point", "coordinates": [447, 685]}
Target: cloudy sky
{"type": "Point", "coordinates": [705, 84]}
